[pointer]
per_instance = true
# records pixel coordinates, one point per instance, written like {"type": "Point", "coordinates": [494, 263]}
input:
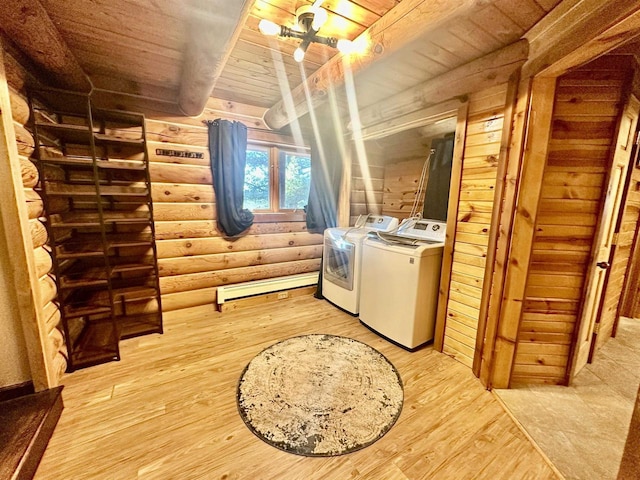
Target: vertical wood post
{"type": "Point", "coordinates": [508, 207]}
{"type": "Point", "coordinates": [16, 227]}
{"type": "Point", "coordinates": [537, 136]}
{"type": "Point", "coordinates": [503, 199]}
{"type": "Point", "coordinates": [452, 216]}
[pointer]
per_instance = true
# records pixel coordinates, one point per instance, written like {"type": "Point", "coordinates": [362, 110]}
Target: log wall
{"type": "Point", "coordinates": [194, 258]}
{"type": "Point", "coordinates": [401, 182]}
{"type": "Point", "coordinates": [54, 344]}
{"type": "Point", "coordinates": [473, 220]}
{"type": "Point", "coordinates": [367, 181]}
{"type": "Point", "coordinates": [586, 109]}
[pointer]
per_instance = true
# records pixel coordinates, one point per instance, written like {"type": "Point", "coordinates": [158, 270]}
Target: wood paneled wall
{"type": "Point", "coordinates": [194, 258]}
{"type": "Point", "coordinates": [367, 180]}
{"type": "Point", "coordinates": [585, 114]}
{"type": "Point", "coordinates": [473, 221]}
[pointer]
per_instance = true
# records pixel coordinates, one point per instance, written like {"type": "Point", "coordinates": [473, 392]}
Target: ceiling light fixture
{"type": "Point", "coordinates": [309, 19]}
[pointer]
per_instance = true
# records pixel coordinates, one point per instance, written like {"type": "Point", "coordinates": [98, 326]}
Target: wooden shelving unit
{"type": "Point", "coordinates": [94, 172]}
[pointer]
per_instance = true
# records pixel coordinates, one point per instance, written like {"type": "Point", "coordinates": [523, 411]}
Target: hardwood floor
{"type": "Point", "coordinates": [168, 410]}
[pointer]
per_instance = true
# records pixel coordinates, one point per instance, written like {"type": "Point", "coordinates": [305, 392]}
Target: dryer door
{"type": "Point", "coordinates": [339, 262]}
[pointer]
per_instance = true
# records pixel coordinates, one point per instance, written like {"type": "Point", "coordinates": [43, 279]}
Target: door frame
{"type": "Point", "coordinates": [575, 42]}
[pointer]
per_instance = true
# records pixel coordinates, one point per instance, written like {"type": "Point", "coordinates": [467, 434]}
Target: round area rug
{"type": "Point", "coordinates": [320, 395]}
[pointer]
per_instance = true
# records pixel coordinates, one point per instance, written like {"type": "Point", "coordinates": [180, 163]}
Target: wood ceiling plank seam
{"type": "Point", "coordinates": [467, 31]}
{"type": "Point", "coordinates": [547, 5]}
{"type": "Point", "coordinates": [142, 90]}
{"type": "Point", "coordinates": [241, 81]}
{"type": "Point", "coordinates": [235, 97]}
{"type": "Point", "coordinates": [525, 13]}
{"type": "Point", "coordinates": [379, 7]}
{"type": "Point", "coordinates": [242, 71]}
{"type": "Point", "coordinates": [502, 28]}
{"type": "Point", "coordinates": [154, 77]}
{"type": "Point", "coordinates": [458, 44]}
{"type": "Point", "coordinates": [96, 39]}
{"type": "Point", "coordinates": [261, 52]}
{"type": "Point", "coordinates": [313, 56]}
{"type": "Point", "coordinates": [119, 8]}
{"type": "Point", "coordinates": [226, 84]}
{"type": "Point", "coordinates": [445, 65]}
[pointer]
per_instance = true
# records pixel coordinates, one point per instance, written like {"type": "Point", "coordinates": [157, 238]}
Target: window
{"type": "Point", "coordinates": [276, 179]}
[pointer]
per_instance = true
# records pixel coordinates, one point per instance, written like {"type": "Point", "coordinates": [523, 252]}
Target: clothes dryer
{"type": "Point", "coordinates": [342, 258]}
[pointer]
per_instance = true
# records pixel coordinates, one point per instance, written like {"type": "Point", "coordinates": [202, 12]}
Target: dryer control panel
{"type": "Point", "coordinates": [425, 229]}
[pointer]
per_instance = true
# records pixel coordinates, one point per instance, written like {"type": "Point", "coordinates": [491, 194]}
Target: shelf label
{"type": "Point", "coordinates": [178, 153]}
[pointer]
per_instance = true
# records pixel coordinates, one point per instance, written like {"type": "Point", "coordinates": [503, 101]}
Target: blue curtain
{"type": "Point", "coordinates": [228, 151]}
{"type": "Point", "coordinates": [326, 175]}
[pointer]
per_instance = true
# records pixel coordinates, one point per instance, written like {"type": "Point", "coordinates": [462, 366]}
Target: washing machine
{"type": "Point", "coordinates": [342, 258]}
{"type": "Point", "coordinates": [400, 281]}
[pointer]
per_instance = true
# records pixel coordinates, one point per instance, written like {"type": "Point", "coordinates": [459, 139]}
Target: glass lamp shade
{"type": "Point", "coordinates": [268, 28]}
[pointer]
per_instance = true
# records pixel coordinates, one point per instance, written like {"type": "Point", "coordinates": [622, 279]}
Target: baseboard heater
{"type": "Point", "coordinates": [257, 287]}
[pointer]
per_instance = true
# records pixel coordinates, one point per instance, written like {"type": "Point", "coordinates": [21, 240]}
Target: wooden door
{"type": "Point", "coordinates": [601, 257]}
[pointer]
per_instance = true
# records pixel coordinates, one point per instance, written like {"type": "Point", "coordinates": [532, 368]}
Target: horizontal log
{"type": "Point", "coordinates": [492, 69]}
{"type": "Point", "coordinates": [195, 281]}
{"type": "Point", "coordinates": [222, 261]}
{"type": "Point", "coordinates": [58, 366]}
{"type": "Point", "coordinates": [170, 173]}
{"type": "Point", "coordinates": [38, 233]}
{"type": "Point", "coordinates": [29, 173]}
{"type": "Point", "coordinates": [43, 261]}
{"type": "Point", "coordinates": [191, 298]}
{"type": "Point", "coordinates": [47, 49]}
{"type": "Point", "coordinates": [19, 107]}
{"type": "Point", "coordinates": [184, 211]}
{"type": "Point", "coordinates": [52, 315]}
{"type": "Point", "coordinates": [35, 205]}
{"type": "Point", "coordinates": [48, 289]}
{"type": "Point", "coordinates": [56, 340]}
{"type": "Point", "coordinates": [24, 140]}
{"type": "Point", "coordinates": [165, 192]}
{"type": "Point", "coordinates": [204, 228]}
{"type": "Point", "coordinates": [206, 246]}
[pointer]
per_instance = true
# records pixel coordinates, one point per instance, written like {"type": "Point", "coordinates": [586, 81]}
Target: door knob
{"type": "Point", "coordinates": [603, 265]}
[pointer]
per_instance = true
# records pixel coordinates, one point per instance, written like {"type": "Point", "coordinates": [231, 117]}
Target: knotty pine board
{"type": "Point", "coordinates": [479, 169]}
{"type": "Point", "coordinates": [586, 110]}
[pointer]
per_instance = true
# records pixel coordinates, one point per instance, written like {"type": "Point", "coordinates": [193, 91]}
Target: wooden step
{"type": "Point", "coordinates": [27, 423]}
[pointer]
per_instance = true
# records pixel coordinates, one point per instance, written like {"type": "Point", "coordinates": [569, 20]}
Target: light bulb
{"type": "Point", "coordinates": [298, 55]}
{"type": "Point", "coordinates": [319, 18]}
{"type": "Point", "coordinates": [268, 28]}
{"type": "Point", "coordinates": [345, 46]}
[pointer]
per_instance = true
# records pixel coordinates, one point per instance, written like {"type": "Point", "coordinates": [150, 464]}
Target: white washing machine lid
{"type": "Point", "coordinates": [419, 249]}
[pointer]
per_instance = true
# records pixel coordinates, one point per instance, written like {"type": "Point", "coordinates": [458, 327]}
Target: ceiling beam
{"type": "Point", "coordinates": [403, 24]}
{"type": "Point", "coordinates": [577, 31]}
{"type": "Point", "coordinates": [484, 72]}
{"type": "Point", "coordinates": [28, 25]}
{"type": "Point", "coordinates": [214, 28]}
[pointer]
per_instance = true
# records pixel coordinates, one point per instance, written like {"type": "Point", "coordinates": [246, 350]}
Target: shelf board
{"type": "Point", "coordinates": [88, 163]}
{"type": "Point", "coordinates": [76, 219]}
{"type": "Point", "coordinates": [121, 118]}
{"type": "Point", "coordinates": [90, 244]}
{"type": "Point", "coordinates": [104, 139]}
{"type": "Point", "coordinates": [66, 132]}
{"type": "Point", "coordinates": [136, 325]}
{"type": "Point", "coordinates": [65, 190]}
{"type": "Point", "coordinates": [98, 343]}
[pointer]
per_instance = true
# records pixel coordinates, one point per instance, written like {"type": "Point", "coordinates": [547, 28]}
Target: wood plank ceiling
{"type": "Point", "coordinates": [137, 47]}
